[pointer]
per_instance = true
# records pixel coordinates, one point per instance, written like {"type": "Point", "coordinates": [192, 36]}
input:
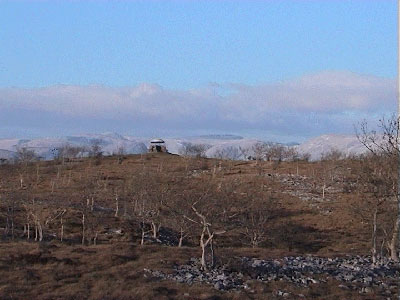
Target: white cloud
{"type": "Point", "coordinates": [326, 92]}
{"type": "Point", "coordinates": [310, 105]}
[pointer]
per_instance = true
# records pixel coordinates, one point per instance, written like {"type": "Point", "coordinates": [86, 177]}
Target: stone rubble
{"type": "Point", "coordinates": [309, 190]}
{"type": "Point", "coordinates": [166, 237]}
{"type": "Point", "coordinates": [353, 273]}
{"type": "Point", "coordinates": [191, 273]}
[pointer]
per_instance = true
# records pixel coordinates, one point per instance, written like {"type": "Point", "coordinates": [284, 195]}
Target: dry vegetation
{"type": "Point", "coordinates": [87, 228]}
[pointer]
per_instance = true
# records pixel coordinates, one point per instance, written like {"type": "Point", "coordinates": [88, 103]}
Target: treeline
{"type": "Point", "coordinates": [260, 151]}
{"type": "Point", "coordinates": [63, 153]}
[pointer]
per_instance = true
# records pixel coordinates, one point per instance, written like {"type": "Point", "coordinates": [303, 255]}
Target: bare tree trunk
{"type": "Point", "coordinates": [382, 246]}
{"type": "Point", "coordinates": [180, 238]}
{"type": "Point", "coordinates": [143, 234]}
{"type": "Point", "coordinates": [374, 237]}
{"type": "Point", "coordinates": [83, 229]}
{"type": "Point", "coordinates": [29, 231]}
{"type": "Point", "coordinates": [12, 221]}
{"type": "Point", "coordinates": [116, 206]}
{"type": "Point", "coordinates": [203, 251]}
{"type": "Point", "coordinates": [254, 240]}
{"type": "Point", "coordinates": [62, 230]}
{"type": "Point", "coordinates": [69, 178]}
{"type": "Point", "coordinates": [154, 229]}
{"type": "Point", "coordinates": [204, 244]}
{"type": "Point", "coordinates": [135, 207]}
{"type": "Point", "coordinates": [40, 228]}
{"type": "Point", "coordinates": [7, 228]}
{"type": "Point", "coordinates": [37, 174]}
{"type": "Point", "coordinates": [12, 228]}
{"type": "Point", "coordinates": [392, 244]}
{"type": "Point", "coordinates": [212, 253]}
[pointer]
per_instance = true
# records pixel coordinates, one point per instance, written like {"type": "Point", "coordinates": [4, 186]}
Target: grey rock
{"type": "Point", "coordinates": [356, 271]}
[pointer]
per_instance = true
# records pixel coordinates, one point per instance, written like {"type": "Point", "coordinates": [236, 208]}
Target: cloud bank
{"type": "Point", "coordinates": [325, 102]}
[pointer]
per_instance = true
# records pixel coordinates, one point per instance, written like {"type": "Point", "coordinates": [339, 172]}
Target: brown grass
{"type": "Point", "coordinates": [113, 269]}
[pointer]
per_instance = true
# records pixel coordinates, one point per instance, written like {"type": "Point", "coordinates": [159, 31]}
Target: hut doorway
{"type": "Point", "coordinates": [157, 145]}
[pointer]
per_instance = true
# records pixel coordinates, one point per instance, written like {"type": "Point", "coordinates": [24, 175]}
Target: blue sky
{"type": "Point", "coordinates": [183, 46]}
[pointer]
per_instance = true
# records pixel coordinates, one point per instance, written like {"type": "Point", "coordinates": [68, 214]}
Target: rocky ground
{"type": "Point", "coordinates": [312, 192]}
{"type": "Point", "coordinates": [351, 272]}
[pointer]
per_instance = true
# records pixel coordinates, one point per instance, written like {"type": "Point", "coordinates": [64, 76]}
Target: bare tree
{"type": "Point", "coordinates": [292, 154]}
{"type": "Point", "coordinates": [210, 211]}
{"type": "Point", "coordinates": [228, 153]}
{"type": "Point", "coordinates": [42, 216]}
{"type": "Point", "coordinates": [206, 238]}
{"type": "Point", "coordinates": [305, 156]}
{"type": "Point", "coordinates": [25, 155]}
{"type": "Point", "coordinates": [275, 152]}
{"type": "Point", "coordinates": [95, 148]}
{"type": "Point", "coordinates": [179, 208]}
{"type": "Point", "coordinates": [255, 212]}
{"type": "Point", "coordinates": [67, 152]}
{"type": "Point", "coordinates": [121, 150]}
{"type": "Point", "coordinates": [270, 151]}
{"type": "Point", "coordinates": [332, 155]}
{"type": "Point", "coordinates": [259, 150]}
{"type": "Point", "coordinates": [383, 144]}
{"type": "Point", "coordinates": [194, 150]}
{"type": "Point", "coordinates": [375, 185]}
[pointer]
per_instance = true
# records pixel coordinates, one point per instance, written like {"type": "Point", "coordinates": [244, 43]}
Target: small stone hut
{"type": "Point", "coordinates": [157, 145]}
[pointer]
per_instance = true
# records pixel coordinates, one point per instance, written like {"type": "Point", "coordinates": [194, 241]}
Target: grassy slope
{"type": "Point", "coordinates": [113, 269]}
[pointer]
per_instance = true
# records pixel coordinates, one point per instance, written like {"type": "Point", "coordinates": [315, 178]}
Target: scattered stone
{"type": "Point", "coordinates": [355, 273]}
{"type": "Point", "coordinates": [344, 287]}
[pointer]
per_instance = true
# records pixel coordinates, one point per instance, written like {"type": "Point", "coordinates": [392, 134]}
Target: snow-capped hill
{"type": "Point", "coordinates": [220, 137]}
{"type": "Point", "coordinates": [219, 146]}
{"type": "Point", "coordinates": [111, 143]}
{"type": "Point", "coordinates": [233, 149]}
{"type": "Point", "coordinates": [11, 144]}
{"type": "Point", "coordinates": [5, 154]}
{"type": "Point", "coordinates": [347, 144]}
{"type": "Point", "coordinates": [226, 148]}
{"type": "Point", "coordinates": [47, 148]}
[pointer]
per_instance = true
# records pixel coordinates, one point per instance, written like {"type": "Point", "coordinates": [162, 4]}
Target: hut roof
{"type": "Point", "coordinates": [156, 141]}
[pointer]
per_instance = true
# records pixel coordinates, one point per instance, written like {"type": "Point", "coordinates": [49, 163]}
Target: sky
{"type": "Point", "coordinates": [283, 70]}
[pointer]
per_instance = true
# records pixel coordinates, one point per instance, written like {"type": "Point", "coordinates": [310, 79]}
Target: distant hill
{"type": "Point", "coordinates": [5, 154]}
{"type": "Point", "coordinates": [221, 137]}
{"type": "Point", "coordinates": [233, 146]}
{"type": "Point", "coordinates": [316, 147]}
{"type": "Point", "coordinates": [46, 148]}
